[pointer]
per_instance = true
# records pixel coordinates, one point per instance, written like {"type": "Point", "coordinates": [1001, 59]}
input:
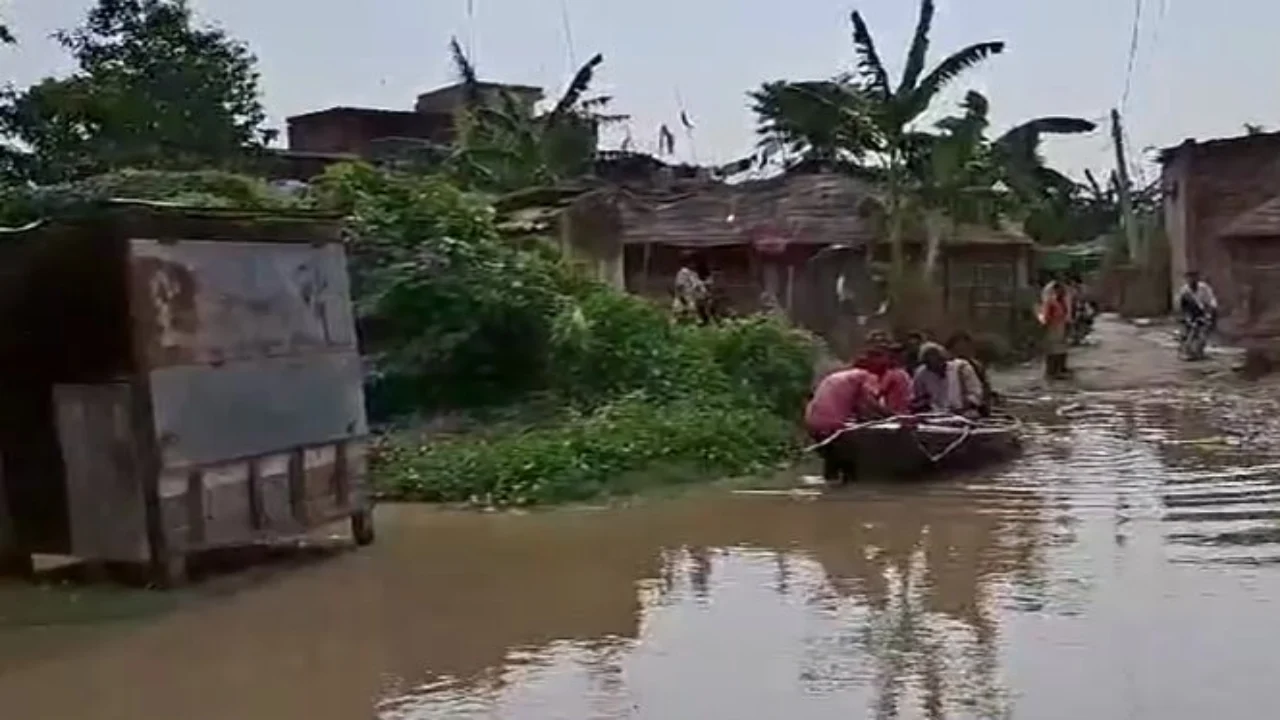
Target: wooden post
{"type": "Point", "coordinates": [1127, 220]}
{"type": "Point", "coordinates": [644, 289]}
{"type": "Point", "coordinates": [791, 283]}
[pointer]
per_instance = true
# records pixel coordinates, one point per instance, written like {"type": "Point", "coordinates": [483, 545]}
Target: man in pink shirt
{"type": "Point", "coordinates": [841, 397]}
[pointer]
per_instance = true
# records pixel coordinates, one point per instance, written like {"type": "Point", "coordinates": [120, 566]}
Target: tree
{"type": "Point", "coordinates": [864, 115]}
{"type": "Point", "coordinates": [505, 145]}
{"type": "Point", "coordinates": [962, 177]}
{"type": "Point", "coordinates": [824, 123]}
{"type": "Point", "coordinates": [151, 90]}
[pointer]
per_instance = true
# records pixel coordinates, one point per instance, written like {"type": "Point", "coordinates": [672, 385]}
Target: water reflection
{"type": "Point", "coordinates": [1122, 568]}
{"type": "Point", "coordinates": [880, 595]}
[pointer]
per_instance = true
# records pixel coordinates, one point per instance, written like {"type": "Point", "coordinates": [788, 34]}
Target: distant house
{"type": "Point", "coordinates": [786, 241]}
{"type": "Point", "coordinates": [322, 137]}
{"type": "Point", "coordinates": [1222, 217]}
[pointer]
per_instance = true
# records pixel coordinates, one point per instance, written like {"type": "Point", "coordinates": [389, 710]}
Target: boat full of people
{"type": "Point", "coordinates": [903, 410]}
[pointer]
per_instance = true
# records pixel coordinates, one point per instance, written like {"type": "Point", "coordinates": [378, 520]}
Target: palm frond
{"type": "Point", "coordinates": [465, 72]}
{"type": "Point", "coordinates": [942, 75]}
{"type": "Point", "coordinates": [871, 69]}
{"type": "Point", "coordinates": [919, 49]}
{"type": "Point", "coordinates": [577, 88]}
{"type": "Point", "coordinates": [598, 102]}
{"type": "Point", "coordinates": [975, 105]}
{"type": "Point", "coordinates": [1048, 125]}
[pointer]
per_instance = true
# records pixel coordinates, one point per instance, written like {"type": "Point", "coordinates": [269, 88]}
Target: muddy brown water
{"type": "Point", "coordinates": [1125, 567]}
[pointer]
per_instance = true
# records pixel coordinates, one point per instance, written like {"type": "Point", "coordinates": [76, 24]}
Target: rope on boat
{"type": "Point", "coordinates": [968, 427]}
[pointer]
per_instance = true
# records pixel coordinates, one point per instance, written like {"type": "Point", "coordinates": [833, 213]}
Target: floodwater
{"type": "Point", "coordinates": [1125, 567]}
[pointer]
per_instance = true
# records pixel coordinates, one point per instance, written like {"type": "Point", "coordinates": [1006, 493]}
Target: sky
{"type": "Point", "coordinates": [1198, 71]}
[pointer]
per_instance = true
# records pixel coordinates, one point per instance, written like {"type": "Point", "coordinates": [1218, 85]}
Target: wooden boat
{"type": "Point", "coordinates": [905, 447]}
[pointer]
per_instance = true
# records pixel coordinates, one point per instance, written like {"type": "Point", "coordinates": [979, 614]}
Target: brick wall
{"type": "Point", "coordinates": [1206, 186]}
{"type": "Point", "coordinates": [353, 130]}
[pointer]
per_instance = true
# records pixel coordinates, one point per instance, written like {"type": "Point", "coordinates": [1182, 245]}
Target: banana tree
{"type": "Point", "coordinates": [961, 177]}
{"type": "Point", "coordinates": [896, 108]}
{"type": "Point", "coordinates": [864, 116]}
{"type": "Point", "coordinates": [827, 124]}
{"type": "Point", "coordinates": [502, 145]}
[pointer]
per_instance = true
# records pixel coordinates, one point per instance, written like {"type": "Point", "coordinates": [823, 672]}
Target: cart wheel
{"type": "Point", "coordinates": [362, 527]}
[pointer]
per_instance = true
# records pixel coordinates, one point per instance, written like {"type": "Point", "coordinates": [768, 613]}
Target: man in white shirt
{"type": "Point", "coordinates": [1196, 299]}
{"type": "Point", "coordinates": [945, 384]}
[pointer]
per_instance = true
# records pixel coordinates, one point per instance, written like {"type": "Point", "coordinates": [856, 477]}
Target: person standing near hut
{"type": "Point", "coordinates": [692, 290]}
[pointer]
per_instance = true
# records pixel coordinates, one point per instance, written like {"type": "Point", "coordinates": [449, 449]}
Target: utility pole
{"type": "Point", "coordinates": [1127, 221]}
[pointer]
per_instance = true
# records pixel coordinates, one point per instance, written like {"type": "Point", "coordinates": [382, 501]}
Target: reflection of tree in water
{"type": "Point", "coordinates": [926, 571]}
{"type": "Point", "coordinates": [921, 567]}
{"type": "Point", "coordinates": [916, 569]}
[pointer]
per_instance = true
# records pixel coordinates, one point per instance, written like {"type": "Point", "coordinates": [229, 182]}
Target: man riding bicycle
{"type": "Point", "coordinates": [1199, 309]}
{"type": "Point", "coordinates": [1196, 300]}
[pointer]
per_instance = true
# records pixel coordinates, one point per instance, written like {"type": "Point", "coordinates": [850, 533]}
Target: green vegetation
{"type": "Point", "coordinates": [456, 319]}
{"type": "Point", "coordinates": [615, 449]}
{"type": "Point", "coordinates": [863, 124]}
{"type": "Point", "coordinates": [570, 389]}
{"type": "Point", "coordinates": [151, 89]}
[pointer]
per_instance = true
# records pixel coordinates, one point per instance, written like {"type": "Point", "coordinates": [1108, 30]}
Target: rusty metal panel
{"type": "Point", "coordinates": [210, 302]}
{"type": "Point", "coordinates": [244, 501]}
{"type": "Point", "coordinates": [205, 415]}
{"type": "Point", "coordinates": [105, 500]}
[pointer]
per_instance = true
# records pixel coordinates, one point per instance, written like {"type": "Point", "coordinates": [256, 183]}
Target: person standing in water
{"type": "Point", "coordinates": [1055, 315]}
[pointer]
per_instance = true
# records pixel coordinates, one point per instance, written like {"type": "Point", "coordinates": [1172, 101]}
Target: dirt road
{"type": "Point", "coordinates": [1120, 355]}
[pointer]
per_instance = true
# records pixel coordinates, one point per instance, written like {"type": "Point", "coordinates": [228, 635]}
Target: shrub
{"type": "Point", "coordinates": [765, 359]}
{"type": "Point", "coordinates": [608, 343]}
{"type": "Point", "coordinates": [455, 317]}
{"type": "Point", "coordinates": [595, 454]}
{"type": "Point", "coordinates": [21, 204]}
{"type": "Point", "coordinates": [450, 315]}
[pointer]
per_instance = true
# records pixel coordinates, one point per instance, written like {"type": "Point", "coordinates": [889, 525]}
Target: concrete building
{"type": "Point", "coordinates": [317, 139]}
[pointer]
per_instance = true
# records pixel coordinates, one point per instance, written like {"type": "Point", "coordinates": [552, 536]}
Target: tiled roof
{"type": "Point", "coordinates": [806, 208]}
{"type": "Point", "coordinates": [1262, 221]}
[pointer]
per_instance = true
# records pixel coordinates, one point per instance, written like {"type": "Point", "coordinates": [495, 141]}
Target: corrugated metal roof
{"type": "Point", "coordinates": [1262, 221]}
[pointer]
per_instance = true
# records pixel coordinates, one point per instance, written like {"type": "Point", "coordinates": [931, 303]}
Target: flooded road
{"type": "Point", "coordinates": [1125, 567]}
